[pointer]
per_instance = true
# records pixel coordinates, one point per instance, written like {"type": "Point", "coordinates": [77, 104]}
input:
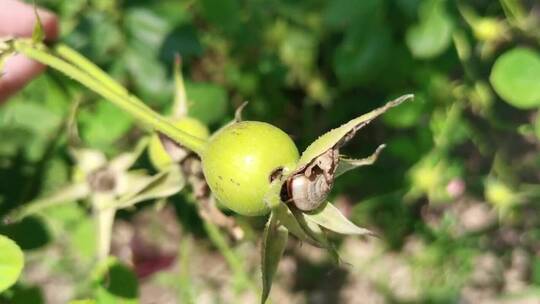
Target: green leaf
{"type": "Point", "coordinates": [329, 217]}
{"type": "Point", "coordinates": [516, 77]}
{"type": "Point", "coordinates": [146, 29]}
{"type": "Point", "coordinates": [115, 283]}
{"type": "Point", "coordinates": [104, 127]}
{"type": "Point", "coordinates": [273, 245]}
{"type": "Point", "coordinates": [338, 136]}
{"type": "Point", "coordinates": [433, 34]}
{"type": "Point", "coordinates": [363, 56]}
{"type": "Point", "coordinates": [11, 262]}
{"type": "Point", "coordinates": [208, 102]}
{"type": "Point", "coordinates": [84, 301]}
{"type": "Point", "coordinates": [224, 14]}
{"type": "Point", "coordinates": [83, 239]}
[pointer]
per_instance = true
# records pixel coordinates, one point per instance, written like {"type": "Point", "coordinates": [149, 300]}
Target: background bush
{"type": "Point", "coordinates": [454, 196]}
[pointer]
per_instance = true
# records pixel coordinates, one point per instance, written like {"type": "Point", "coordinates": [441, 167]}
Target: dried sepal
{"type": "Point", "coordinates": [347, 164]}
{"type": "Point", "coordinates": [336, 138]}
{"type": "Point", "coordinates": [238, 112]}
{"type": "Point", "coordinates": [175, 151]}
{"type": "Point", "coordinates": [273, 245]}
{"type": "Point", "coordinates": [308, 187]}
{"type": "Point", "coordinates": [329, 217]}
{"type": "Point", "coordinates": [237, 115]}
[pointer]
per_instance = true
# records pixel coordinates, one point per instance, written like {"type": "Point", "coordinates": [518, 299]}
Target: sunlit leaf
{"type": "Point", "coordinates": [11, 262]}
{"type": "Point", "coordinates": [102, 128]}
{"type": "Point", "coordinates": [347, 164]}
{"type": "Point", "coordinates": [516, 77]}
{"type": "Point", "coordinates": [334, 137]}
{"type": "Point", "coordinates": [329, 217]}
{"type": "Point", "coordinates": [273, 245]}
{"type": "Point", "coordinates": [433, 34]}
{"type": "Point", "coordinates": [84, 301]}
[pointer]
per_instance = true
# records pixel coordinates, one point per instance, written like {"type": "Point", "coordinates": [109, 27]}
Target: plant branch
{"type": "Point", "coordinates": [126, 102]}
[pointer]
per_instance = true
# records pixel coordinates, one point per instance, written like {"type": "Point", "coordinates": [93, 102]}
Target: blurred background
{"type": "Point", "coordinates": [454, 196]}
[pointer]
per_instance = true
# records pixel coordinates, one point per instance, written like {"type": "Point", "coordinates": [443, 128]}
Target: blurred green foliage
{"type": "Point", "coordinates": [471, 135]}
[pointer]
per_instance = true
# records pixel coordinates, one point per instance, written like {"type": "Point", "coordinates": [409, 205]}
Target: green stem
{"type": "Point", "coordinates": [126, 102]}
{"type": "Point", "coordinates": [89, 67]}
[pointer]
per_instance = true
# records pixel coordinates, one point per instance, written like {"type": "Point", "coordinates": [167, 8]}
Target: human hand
{"type": "Point", "coordinates": [17, 19]}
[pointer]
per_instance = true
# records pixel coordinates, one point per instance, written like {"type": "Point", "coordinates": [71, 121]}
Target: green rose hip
{"type": "Point", "coordinates": [240, 160]}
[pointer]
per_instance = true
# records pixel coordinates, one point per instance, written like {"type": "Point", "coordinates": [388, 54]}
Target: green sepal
{"type": "Point", "coordinates": [316, 232]}
{"type": "Point", "coordinates": [38, 34]}
{"type": "Point", "coordinates": [272, 197]}
{"type": "Point", "coordinates": [67, 194]}
{"type": "Point", "coordinates": [347, 164]}
{"type": "Point", "coordinates": [288, 219]}
{"type": "Point", "coordinates": [339, 136]}
{"type": "Point", "coordinates": [329, 217]}
{"type": "Point", "coordinates": [273, 245]}
{"type": "Point", "coordinates": [144, 188]}
{"type": "Point", "coordinates": [181, 105]}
